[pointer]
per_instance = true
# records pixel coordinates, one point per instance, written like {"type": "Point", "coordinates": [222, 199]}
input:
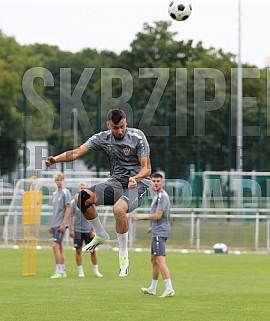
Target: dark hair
{"type": "Point", "coordinates": [157, 175]}
{"type": "Point", "coordinates": [115, 115]}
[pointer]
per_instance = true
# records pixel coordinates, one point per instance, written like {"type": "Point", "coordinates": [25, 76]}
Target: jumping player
{"type": "Point", "coordinates": [128, 153]}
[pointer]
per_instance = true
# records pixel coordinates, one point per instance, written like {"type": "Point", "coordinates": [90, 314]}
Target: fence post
{"type": "Point", "coordinates": [15, 224]}
{"type": "Point", "coordinates": [198, 232]}
{"type": "Point", "coordinates": [268, 234]}
{"type": "Point", "coordinates": [257, 227]}
{"type": "Point", "coordinates": [5, 232]}
{"type": "Point", "coordinates": [191, 239]}
{"type": "Point", "coordinates": [131, 234]}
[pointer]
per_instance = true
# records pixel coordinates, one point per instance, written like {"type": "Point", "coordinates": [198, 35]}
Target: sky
{"type": "Point", "coordinates": [113, 24]}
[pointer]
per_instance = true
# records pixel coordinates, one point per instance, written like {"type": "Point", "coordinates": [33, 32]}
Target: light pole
{"type": "Point", "coordinates": [239, 142]}
{"type": "Point", "coordinates": [239, 137]}
{"type": "Point", "coordinates": [75, 130]}
{"type": "Point", "coordinates": [25, 135]}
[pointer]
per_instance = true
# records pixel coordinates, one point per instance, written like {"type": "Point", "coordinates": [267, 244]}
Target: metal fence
{"type": "Point", "coordinates": [192, 228]}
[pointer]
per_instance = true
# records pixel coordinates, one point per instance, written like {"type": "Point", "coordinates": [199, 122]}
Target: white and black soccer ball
{"type": "Point", "coordinates": [220, 248]}
{"type": "Point", "coordinates": [179, 10]}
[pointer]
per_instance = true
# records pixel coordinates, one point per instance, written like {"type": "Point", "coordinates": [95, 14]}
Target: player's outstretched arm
{"type": "Point", "coordinates": [67, 156]}
{"type": "Point", "coordinates": [154, 216]}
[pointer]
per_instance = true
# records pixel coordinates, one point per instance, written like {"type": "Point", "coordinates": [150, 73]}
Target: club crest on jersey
{"type": "Point", "coordinates": [110, 148]}
{"type": "Point", "coordinates": [126, 151]}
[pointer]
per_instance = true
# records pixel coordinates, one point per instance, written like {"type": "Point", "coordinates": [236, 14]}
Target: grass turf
{"type": "Point", "coordinates": [214, 287]}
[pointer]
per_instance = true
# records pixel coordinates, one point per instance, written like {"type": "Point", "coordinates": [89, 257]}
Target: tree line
{"type": "Point", "coordinates": [181, 94]}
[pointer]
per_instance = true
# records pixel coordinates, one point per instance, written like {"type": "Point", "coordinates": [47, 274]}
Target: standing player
{"type": "Point", "coordinates": [160, 228]}
{"type": "Point", "coordinates": [82, 231]}
{"type": "Point", "coordinates": [128, 153]}
{"type": "Point", "coordinates": [61, 214]}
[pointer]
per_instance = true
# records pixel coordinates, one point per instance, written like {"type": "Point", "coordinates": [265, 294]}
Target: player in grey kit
{"type": "Point", "coordinates": [128, 153]}
{"type": "Point", "coordinates": [160, 229]}
{"type": "Point", "coordinates": [60, 221]}
{"type": "Point", "coordinates": [81, 231]}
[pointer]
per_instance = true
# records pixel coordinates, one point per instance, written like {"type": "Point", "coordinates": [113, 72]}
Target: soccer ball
{"type": "Point", "coordinates": [220, 248]}
{"type": "Point", "coordinates": [179, 10]}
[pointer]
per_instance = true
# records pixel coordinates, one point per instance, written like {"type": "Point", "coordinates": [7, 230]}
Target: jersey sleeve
{"type": "Point", "coordinates": [143, 146]}
{"type": "Point", "coordinates": [73, 207]}
{"type": "Point", "coordinates": [94, 142]}
{"type": "Point", "coordinates": [161, 202]}
{"type": "Point", "coordinates": [67, 197]}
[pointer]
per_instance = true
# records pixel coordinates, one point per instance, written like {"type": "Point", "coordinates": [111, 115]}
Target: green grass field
{"type": "Point", "coordinates": [215, 287]}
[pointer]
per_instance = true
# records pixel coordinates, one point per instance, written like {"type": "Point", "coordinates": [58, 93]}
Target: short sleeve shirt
{"type": "Point", "coordinates": [80, 223]}
{"type": "Point", "coordinates": [161, 227]}
{"type": "Point", "coordinates": [123, 154]}
{"type": "Point", "coordinates": [60, 200]}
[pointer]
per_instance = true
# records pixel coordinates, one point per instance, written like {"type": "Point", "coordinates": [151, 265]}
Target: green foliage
{"type": "Point", "coordinates": [10, 125]}
{"type": "Point", "coordinates": [208, 288]}
{"type": "Point", "coordinates": [167, 102]}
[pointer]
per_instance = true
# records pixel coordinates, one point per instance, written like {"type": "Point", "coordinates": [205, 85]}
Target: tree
{"type": "Point", "coordinates": [170, 91]}
{"type": "Point", "coordinates": [10, 125]}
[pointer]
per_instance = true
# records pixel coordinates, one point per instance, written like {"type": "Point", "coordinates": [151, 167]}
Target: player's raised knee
{"type": "Point", "coordinates": [83, 196]}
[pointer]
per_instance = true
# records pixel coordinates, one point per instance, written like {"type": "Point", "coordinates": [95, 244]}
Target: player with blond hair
{"type": "Point", "coordinates": [61, 199]}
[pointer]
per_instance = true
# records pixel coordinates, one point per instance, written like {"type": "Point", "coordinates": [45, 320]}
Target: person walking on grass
{"type": "Point", "coordinates": [160, 229]}
{"type": "Point", "coordinates": [61, 199]}
{"type": "Point", "coordinates": [128, 153]}
{"type": "Point", "coordinates": [81, 231]}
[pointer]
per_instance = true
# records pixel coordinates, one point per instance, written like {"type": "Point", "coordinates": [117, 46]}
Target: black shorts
{"type": "Point", "coordinates": [158, 247]}
{"type": "Point", "coordinates": [79, 238]}
{"type": "Point", "coordinates": [109, 192]}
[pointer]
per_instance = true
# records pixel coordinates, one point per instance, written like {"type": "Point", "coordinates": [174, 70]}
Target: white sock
{"type": "Point", "coordinates": [153, 285]}
{"type": "Point", "coordinates": [99, 229]}
{"type": "Point", "coordinates": [168, 284]}
{"type": "Point", "coordinates": [63, 268]}
{"type": "Point", "coordinates": [80, 269]}
{"type": "Point", "coordinates": [95, 267]}
{"type": "Point", "coordinates": [123, 244]}
{"type": "Point", "coordinates": [58, 268]}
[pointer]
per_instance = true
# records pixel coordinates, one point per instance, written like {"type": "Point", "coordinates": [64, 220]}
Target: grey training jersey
{"type": "Point", "coordinates": [123, 154]}
{"type": "Point", "coordinates": [80, 223]}
{"type": "Point", "coordinates": [60, 200]}
{"type": "Point", "coordinates": [161, 227]}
